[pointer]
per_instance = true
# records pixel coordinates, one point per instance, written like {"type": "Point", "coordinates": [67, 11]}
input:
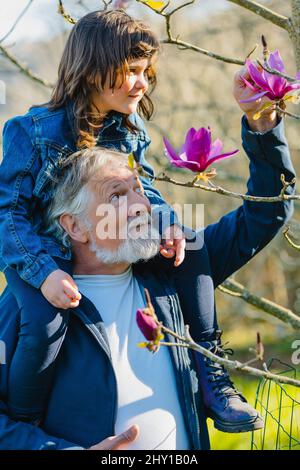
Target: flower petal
{"type": "Point", "coordinates": [170, 151]}
{"type": "Point", "coordinates": [216, 148]}
{"type": "Point", "coordinates": [255, 97]}
{"type": "Point", "coordinates": [275, 61]}
{"type": "Point", "coordinates": [147, 325]}
{"type": "Point", "coordinates": [223, 155]}
{"type": "Point", "coordinates": [256, 75]}
{"type": "Point", "coordinates": [198, 148]}
{"type": "Point", "coordinates": [249, 85]}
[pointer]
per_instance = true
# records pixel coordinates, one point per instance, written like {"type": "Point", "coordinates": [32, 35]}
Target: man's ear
{"type": "Point", "coordinates": [73, 228]}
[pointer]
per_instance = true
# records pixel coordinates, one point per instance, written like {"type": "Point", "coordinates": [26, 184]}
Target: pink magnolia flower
{"type": "Point", "coordinates": [198, 151]}
{"type": "Point", "coordinates": [147, 324]}
{"type": "Point", "coordinates": [267, 84]}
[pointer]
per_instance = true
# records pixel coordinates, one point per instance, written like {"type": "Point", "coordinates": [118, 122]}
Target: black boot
{"type": "Point", "coordinates": [224, 404]}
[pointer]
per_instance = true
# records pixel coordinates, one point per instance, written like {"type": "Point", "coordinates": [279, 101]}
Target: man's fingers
{"type": "Point", "coordinates": [125, 438]}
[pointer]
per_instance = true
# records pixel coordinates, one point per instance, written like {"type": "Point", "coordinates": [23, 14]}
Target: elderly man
{"type": "Point", "coordinates": [107, 393]}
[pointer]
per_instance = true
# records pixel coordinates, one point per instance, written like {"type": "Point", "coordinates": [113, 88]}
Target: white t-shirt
{"type": "Point", "coordinates": [147, 391]}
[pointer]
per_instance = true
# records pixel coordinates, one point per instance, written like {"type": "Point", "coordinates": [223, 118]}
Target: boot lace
{"type": "Point", "coordinates": [222, 386]}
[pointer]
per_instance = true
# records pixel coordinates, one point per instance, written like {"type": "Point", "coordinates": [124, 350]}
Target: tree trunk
{"type": "Point", "coordinates": [294, 30]}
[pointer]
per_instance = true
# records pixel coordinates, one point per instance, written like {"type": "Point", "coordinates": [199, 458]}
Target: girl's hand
{"type": "Point", "coordinates": [174, 243]}
{"type": "Point", "coordinates": [268, 118]}
{"type": "Point", "coordinates": [60, 290]}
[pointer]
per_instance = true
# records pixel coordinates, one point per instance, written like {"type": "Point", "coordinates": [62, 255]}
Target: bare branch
{"type": "Point", "coordinates": [16, 22]}
{"type": "Point", "coordinates": [192, 47]}
{"type": "Point", "coordinates": [236, 289]}
{"type": "Point", "coordinates": [275, 72]}
{"type": "Point", "coordinates": [287, 113]}
{"type": "Point", "coordinates": [62, 12]}
{"type": "Point", "coordinates": [264, 12]}
{"type": "Point", "coordinates": [290, 241]}
{"type": "Point", "coordinates": [24, 69]}
{"type": "Point", "coordinates": [225, 192]}
{"type": "Point", "coordinates": [233, 365]}
{"type": "Point", "coordinates": [185, 45]}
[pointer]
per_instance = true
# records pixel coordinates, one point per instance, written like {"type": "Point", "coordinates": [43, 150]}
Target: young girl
{"type": "Point", "coordinates": [104, 81]}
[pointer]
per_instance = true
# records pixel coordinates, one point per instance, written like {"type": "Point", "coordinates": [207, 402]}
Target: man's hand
{"type": "Point", "coordinates": [60, 290]}
{"type": "Point", "coordinates": [268, 118]}
{"type": "Point", "coordinates": [118, 442]}
{"type": "Point", "coordinates": [174, 243]}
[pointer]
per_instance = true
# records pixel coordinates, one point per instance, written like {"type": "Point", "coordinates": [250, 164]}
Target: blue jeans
{"type": "Point", "coordinates": [42, 331]}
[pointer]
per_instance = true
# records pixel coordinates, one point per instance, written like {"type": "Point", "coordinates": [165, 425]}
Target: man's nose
{"type": "Point", "coordinates": [138, 206]}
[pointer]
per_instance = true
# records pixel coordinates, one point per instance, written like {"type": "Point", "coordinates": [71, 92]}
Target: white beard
{"type": "Point", "coordinates": [139, 245]}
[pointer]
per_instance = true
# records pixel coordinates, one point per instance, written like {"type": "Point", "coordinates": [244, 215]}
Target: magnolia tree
{"type": "Point", "coordinates": [269, 80]}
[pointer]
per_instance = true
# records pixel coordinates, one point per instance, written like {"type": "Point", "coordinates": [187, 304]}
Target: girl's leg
{"type": "Point", "coordinates": [42, 331]}
{"type": "Point", "coordinates": [195, 292]}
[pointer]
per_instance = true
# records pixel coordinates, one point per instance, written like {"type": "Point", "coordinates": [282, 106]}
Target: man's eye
{"type": "Point", "coordinates": [139, 190]}
{"type": "Point", "coordinates": [114, 197]}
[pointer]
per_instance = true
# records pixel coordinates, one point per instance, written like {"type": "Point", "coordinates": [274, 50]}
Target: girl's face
{"type": "Point", "coordinates": [125, 99]}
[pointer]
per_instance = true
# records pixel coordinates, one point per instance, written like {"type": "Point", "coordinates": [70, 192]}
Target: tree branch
{"type": "Point", "coordinates": [225, 192]}
{"type": "Point", "coordinates": [264, 12]}
{"type": "Point", "coordinates": [24, 69]}
{"type": "Point", "coordinates": [17, 21]}
{"type": "Point", "coordinates": [236, 289]}
{"type": "Point", "coordinates": [185, 45]}
{"type": "Point", "coordinates": [233, 365]}
{"type": "Point", "coordinates": [62, 12]}
{"type": "Point", "coordinates": [289, 240]}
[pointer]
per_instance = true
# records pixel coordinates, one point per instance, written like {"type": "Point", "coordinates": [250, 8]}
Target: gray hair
{"type": "Point", "coordinates": [70, 191]}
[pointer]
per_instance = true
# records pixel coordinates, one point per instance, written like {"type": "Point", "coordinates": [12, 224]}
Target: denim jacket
{"type": "Point", "coordinates": [33, 147]}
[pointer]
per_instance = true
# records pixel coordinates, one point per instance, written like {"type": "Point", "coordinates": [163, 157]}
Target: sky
{"type": "Point", "coordinates": [42, 21]}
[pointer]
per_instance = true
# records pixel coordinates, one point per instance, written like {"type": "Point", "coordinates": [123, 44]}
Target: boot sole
{"type": "Point", "coordinates": [253, 425]}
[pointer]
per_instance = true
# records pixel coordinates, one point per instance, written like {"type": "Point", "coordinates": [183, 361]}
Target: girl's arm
{"type": "Point", "coordinates": [20, 246]}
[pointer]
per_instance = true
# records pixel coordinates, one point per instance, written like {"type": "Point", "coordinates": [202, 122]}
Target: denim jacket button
{"type": "Point", "coordinates": [63, 249]}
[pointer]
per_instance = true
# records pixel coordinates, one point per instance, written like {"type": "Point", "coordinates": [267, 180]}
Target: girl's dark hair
{"type": "Point", "coordinates": [100, 45]}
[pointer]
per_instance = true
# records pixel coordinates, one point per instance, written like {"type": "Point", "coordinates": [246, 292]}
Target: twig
{"type": "Point", "coordinates": [236, 289]}
{"type": "Point", "coordinates": [185, 45]}
{"type": "Point", "coordinates": [287, 113]}
{"type": "Point", "coordinates": [62, 12]}
{"type": "Point", "coordinates": [213, 55]}
{"type": "Point", "coordinates": [264, 12]}
{"type": "Point", "coordinates": [290, 241]}
{"type": "Point", "coordinates": [233, 365]}
{"type": "Point", "coordinates": [275, 72]}
{"type": "Point", "coordinates": [24, 69]}
{"type": "Point", "coordinates": [17, 21]}
{"type": "Point", "coordinates": [225, 192]}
